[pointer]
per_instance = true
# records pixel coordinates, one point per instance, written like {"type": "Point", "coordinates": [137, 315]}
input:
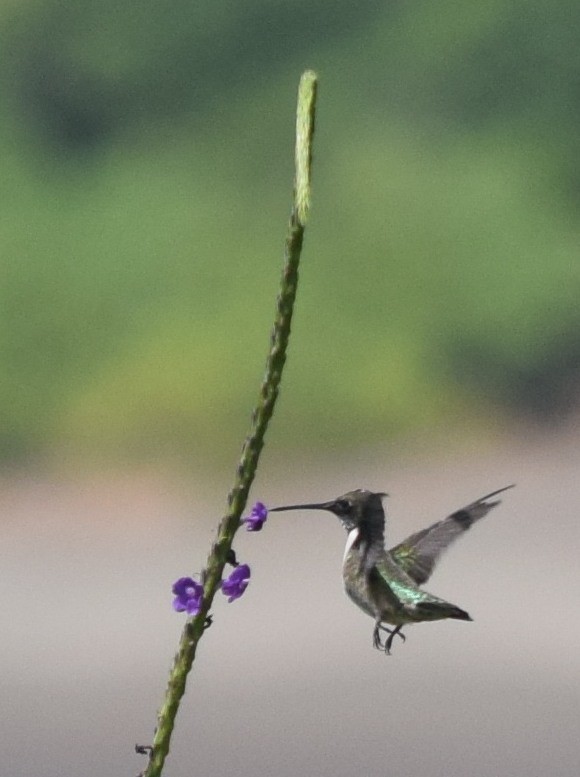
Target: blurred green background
{"type": "Point", "coordinates": [146, 172]}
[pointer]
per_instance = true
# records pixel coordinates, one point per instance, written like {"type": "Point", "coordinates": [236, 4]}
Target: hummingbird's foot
{"type": "Point", "coordinates": [386, 646]}
{"type": "Point", "coordinates": [392, 634]}
{"type": "Point", "coordinates": [377, 644]}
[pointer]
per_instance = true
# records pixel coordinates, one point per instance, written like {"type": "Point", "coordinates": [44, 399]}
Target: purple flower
{"type": "Point", "coordinates": [235, 585]}
{"type": "Point", "coordinates": [188, 596]}
{"type": "Point", "coordinates": [257, 518]}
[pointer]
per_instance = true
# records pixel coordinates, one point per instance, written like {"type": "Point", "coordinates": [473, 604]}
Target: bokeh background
{"type": "Point", "coordinates": [146, 154]}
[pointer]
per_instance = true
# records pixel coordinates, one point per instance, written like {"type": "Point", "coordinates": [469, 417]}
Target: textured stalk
{"type": "Point", "coordinates": [248, 464]}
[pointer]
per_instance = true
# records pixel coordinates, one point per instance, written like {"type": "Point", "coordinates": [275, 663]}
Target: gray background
{"type": "Point", "coordinates": [286, 681]}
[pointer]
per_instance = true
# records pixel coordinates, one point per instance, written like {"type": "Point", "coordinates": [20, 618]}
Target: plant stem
{"type": "Point", "coordinates": [248, 464]}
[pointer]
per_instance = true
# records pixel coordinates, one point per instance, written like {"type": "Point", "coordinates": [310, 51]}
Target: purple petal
{"type": "Point", "coordinates": [235, 585]}
{"type": "Point", "coordinates": [259, 510]}
{"type": "Point", "coordinates": [238, 592]}
{"type": "Point", "coordinates": [189, 595]}
{"type": "Point", "coordinates": [180, 586]}
{"type": "Point", "coordinates": [239, 573]}
{"type": "Point", "coordinates": [253, 524]}
{"type": "Point", "coordinates": [228, 587]}
{"type": "Point", "coordinates": [257, 517]}
{"type": "Point", "coordinates": [194, 605]}
{"type": "Point", "coordinates": [179, 605]}
{"type": "Point", "coordinates": [234, 590]}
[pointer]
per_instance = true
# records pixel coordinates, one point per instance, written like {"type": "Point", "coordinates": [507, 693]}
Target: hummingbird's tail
{"type": "Point", "coordinates": [459, 614]}
{"type": "Point", "coordinates": [440, 610]}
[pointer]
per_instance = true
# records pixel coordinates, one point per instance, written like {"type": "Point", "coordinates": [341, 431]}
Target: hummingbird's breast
{"type": "Point", "coordinates": [388, 594]}
{"type": "Point", "coordinates": [354, 578]}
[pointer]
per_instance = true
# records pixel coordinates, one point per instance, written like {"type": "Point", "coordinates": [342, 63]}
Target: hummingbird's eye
{"type": "Point", "coordinates": [343, 505]}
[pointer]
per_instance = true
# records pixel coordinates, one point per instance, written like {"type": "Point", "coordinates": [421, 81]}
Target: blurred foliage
{"type": "Point", "coordinates": [146, 165]}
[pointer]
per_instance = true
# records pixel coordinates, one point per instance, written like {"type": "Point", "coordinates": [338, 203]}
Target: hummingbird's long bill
{"type": "Point", "coordinates": [336, 506]}
{"type": "Point", "coordinates": [319, 506]}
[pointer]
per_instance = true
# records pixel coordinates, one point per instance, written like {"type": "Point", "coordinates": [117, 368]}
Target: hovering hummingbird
{"type": "Point", "coordinates": [385, 583]}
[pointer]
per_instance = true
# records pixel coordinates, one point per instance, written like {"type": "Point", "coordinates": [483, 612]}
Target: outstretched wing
{"type": "Point", "coordinates": [418, 554]}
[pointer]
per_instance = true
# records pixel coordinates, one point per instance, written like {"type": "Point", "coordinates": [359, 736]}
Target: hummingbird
{"type": "Point", "coordinates": [385, 584]}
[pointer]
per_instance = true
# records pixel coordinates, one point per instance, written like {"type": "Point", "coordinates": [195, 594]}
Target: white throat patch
{"type": "Point", "coordinates": [350, 540]}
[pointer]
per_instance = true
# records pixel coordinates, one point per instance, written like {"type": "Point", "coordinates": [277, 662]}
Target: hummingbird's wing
{"type": "Point", "coordinates": [418, 554]}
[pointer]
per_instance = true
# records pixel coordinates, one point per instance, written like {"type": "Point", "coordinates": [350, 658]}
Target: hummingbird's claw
{"type": "Point", "coordinates": [386, 647]}
{"type": "Point", "coordinates": [392, 635]}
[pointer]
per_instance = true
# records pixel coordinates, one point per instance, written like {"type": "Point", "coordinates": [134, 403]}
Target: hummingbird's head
{"type": "Point", "coordinates": [354, 509]}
